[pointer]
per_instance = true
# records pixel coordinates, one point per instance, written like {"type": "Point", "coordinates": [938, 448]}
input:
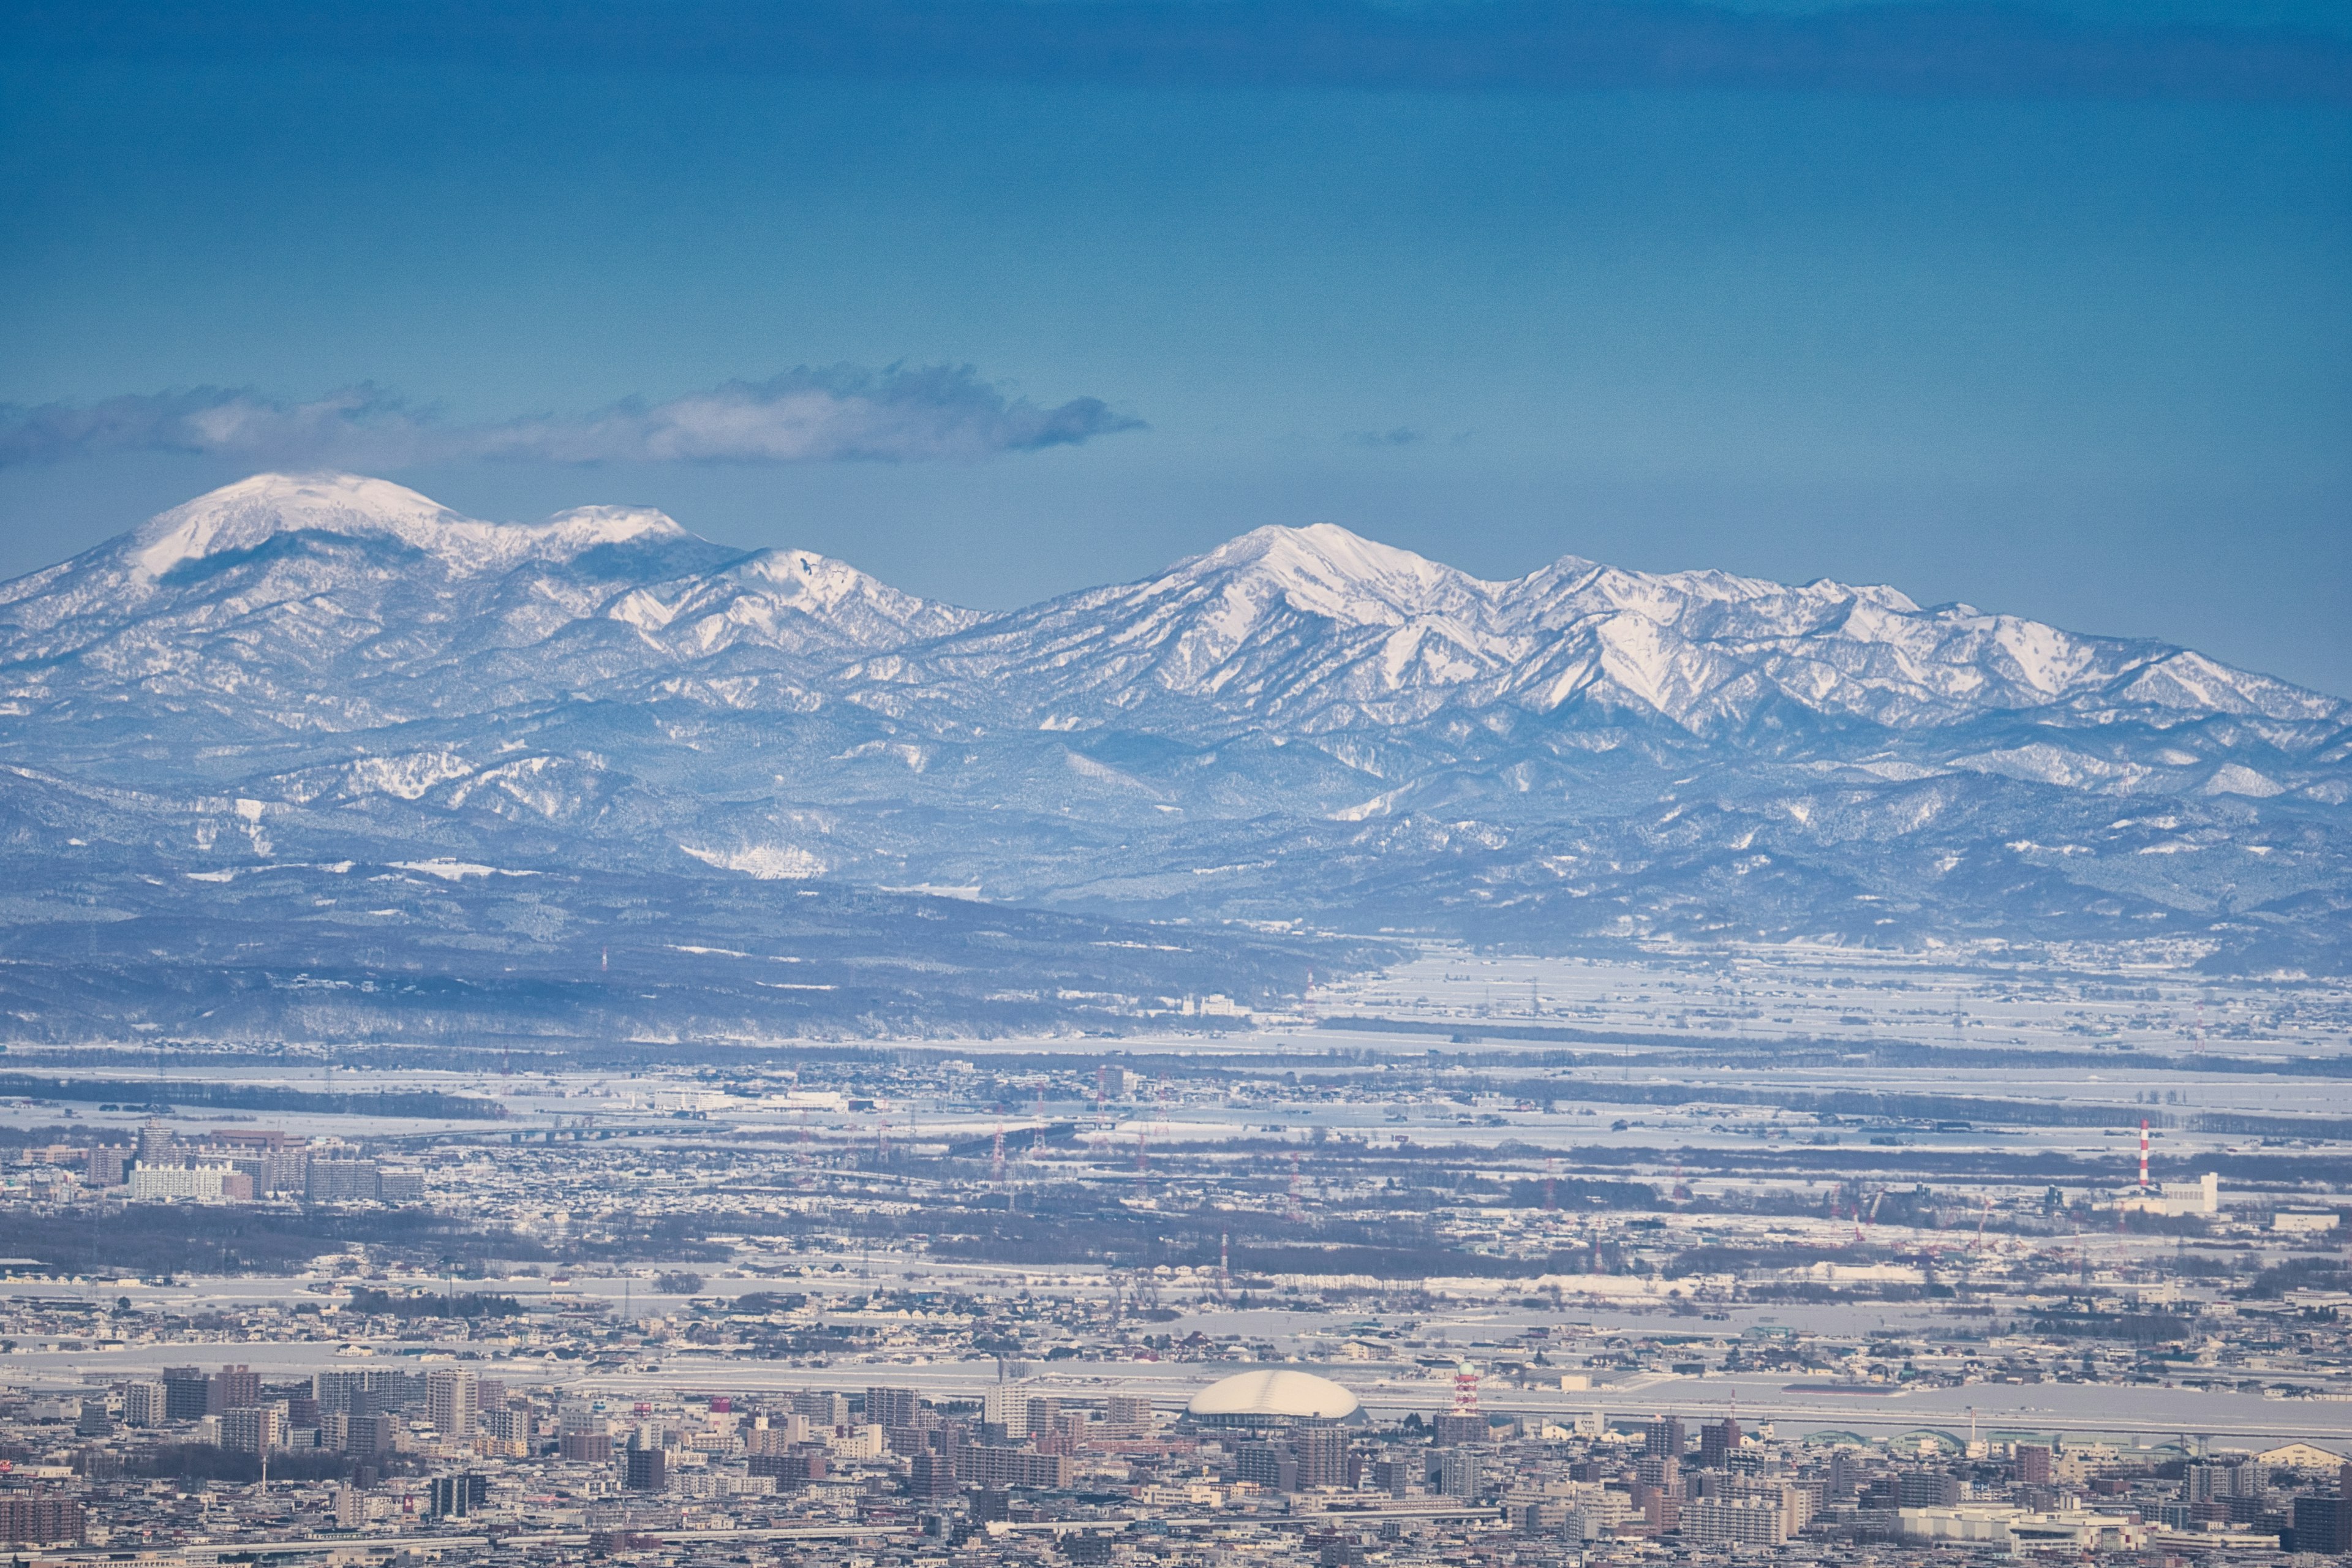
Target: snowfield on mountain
{"type": "Point", "coordinates": [1300, 725]}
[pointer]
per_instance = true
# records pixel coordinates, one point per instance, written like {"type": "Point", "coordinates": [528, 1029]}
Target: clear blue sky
{"type": "Point", "coordinates": [2059, 322]}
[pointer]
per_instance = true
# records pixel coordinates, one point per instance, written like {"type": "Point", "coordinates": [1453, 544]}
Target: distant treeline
{"type": "Point", "coordinates": [1869, 1104]}
{"type": "Point", "coordinates": [1416, 1263]}
{"type": "Point", "coordinates": [2334, 1129]}
{"type": "Point", "coordinates": [208, 1462]}
{"type": "Point", "coordinates": [472, 1304]}
{"type": "Point", "coordinates": [1858, 1104]}
{"type": "Point", "coordinates": [169, 1092]}
{"type": "Point", "coordinates": [2141, 1328]}
{"type": "Point", "coordinates": [150, 1240]}
{"type": "Point", "coordinates": [1814, 1050]}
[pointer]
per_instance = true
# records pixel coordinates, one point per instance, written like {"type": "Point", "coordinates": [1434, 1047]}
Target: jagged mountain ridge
{"type": "Point", "coordinates": [1315, 629]}
{"type": "Point", "coordinates": [330, 602]}
{"type": "Point", "coordinates": [1300, 723]}
{"type": "Point", "coordinates": [1309, 628]}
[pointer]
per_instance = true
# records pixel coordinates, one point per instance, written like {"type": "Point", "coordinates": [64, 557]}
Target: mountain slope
{"type": "Point", "coordinates": [1315, 629]}
{"type": "Point", "coordinates": [1299, 724]}
{"type": "Point", "coordinates": [286, 607]}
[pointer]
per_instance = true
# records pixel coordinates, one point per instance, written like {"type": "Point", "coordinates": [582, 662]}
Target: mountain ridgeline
{"type": "Point", "coordinates": [289, 695]}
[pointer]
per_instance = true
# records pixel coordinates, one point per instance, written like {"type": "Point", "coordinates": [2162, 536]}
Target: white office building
{"type": "Point", "coordinates": [1008, 1404]}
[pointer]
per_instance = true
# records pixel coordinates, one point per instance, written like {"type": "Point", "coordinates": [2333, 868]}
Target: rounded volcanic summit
{"type": "Point", "coordinates": [1273, 1393]}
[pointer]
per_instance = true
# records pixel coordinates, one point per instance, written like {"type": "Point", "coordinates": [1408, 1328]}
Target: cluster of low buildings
{"type": "Point", "coordinates": [496, 1341]}
{"type": "Point", "coordinates": [1268, 1467]}
{"type": "Point", "coordinates": [223, 1165]}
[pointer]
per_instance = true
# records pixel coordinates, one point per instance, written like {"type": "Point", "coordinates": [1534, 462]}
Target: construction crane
{"type": "Point", "coordinates": [1860, 1219]}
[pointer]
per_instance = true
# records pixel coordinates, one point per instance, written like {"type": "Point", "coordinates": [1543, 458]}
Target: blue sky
{"type": "Point", "coordinates": [2044, 309]}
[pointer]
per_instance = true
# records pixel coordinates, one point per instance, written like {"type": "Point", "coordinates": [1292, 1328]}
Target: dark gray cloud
{"type": "Point", "coordinates": [1926, 49]}
{"type": "Point", "coordinates": [840, 414]}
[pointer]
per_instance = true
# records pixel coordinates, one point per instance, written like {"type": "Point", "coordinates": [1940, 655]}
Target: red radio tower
{"type": "Point", "coordinates": [2143, 1154]}
{"type": "Point", "coordinates": [1465, 1390]}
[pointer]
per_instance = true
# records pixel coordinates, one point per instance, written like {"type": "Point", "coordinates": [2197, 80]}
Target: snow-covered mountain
{"type": "Point", "coordinates": [1299, 724]}
{"type": "Point", "coordinates": [1315, 630]}
{"type": "Point", "coordinates": [288, 604]}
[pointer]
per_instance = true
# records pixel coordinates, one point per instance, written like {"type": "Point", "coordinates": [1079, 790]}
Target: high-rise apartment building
{"type": "Point", "coordinates": [932, 1477]}
{"type": "Point", "coordinates": [155, 1143]}
{"type": "Point", "coordinates": [1269, 1465]}
{"type": "Point", "coordinates": [251, 1429]}
{"type": "Point", "coordinates": [1711, 1521]}
{"type": "Point", "coordinates": [457, 1497]}
{"type": "Point", "coordinates": [451, 1401]}
{"type": "Point", "coordinates": [891, 1407]}
{"type": "Point", "coordinates": [39, 1517]}
{"type": "Point", "coordinates": [145, 1404]}
{"type": "Point", "coordinates": [370, 1437]}
{"type": "Point", "coordinates": [1322, 1455]}
{"type": "Point", "coordinates": [1006, 1404]}
{"type": "Point", "coordinates": [186, 1392]}
{"type": "Point", "coordinates": [644, 1469]}
{"type": "Point", "coordinates": [331, 1181]}
{"type": "Point", "coordinates": [232, 1388]}
{"type": "Point", "coordinates": [821, 1409]}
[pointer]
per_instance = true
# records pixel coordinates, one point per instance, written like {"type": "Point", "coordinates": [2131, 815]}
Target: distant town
{"type": "Point", "coordinates": [1404, 1282]}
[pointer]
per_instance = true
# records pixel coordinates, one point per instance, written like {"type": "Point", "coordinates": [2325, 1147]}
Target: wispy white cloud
{"type": "Point", "coordinates": [840, 414]}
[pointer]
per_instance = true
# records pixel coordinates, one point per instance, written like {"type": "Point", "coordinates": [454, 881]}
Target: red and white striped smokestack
{"type": "Point", "coordinates": [2142, 1153]}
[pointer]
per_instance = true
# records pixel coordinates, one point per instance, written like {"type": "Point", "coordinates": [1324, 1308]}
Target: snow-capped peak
{"type": "Point", "coordinates": [1325, 569]}
{"type": "Point", "coordinates": [807, 580]}
{"type": "Point", "coordinates": [1312, 627]}
{"type": "Point", "coordinates": [253, 510]}
{"type": "Point", "coordinates": [789, 600]}
{"type": "Point", "coordinates": [585, 528]}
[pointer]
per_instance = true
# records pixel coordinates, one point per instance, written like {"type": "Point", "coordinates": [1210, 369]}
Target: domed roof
{"type": "Point", "coordinates": [1275, 1394]}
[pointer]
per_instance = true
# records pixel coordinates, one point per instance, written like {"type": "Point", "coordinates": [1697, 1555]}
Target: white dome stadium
{"type": "Point", "coordinates": [1274, 1394]}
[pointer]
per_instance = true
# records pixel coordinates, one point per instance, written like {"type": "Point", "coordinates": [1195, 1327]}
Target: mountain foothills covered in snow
{"type": "Point", "coordinates": [337, 706]}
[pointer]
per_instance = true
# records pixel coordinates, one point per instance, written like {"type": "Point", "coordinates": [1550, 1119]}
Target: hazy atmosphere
{"type": "Point", "coordinates": [1173, 783]}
